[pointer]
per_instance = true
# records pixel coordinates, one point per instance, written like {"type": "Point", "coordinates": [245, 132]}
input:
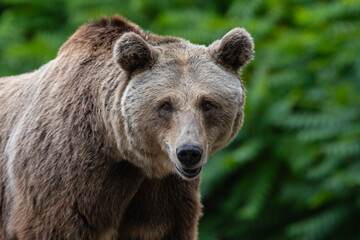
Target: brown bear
{"type": "Point", "coordinates": [107, 140]}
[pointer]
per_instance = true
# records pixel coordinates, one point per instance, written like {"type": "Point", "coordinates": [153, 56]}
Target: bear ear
{"type": "Point", "coordinates": [234, 50]}
{"type": "Point", "coordinates": [132, 53]}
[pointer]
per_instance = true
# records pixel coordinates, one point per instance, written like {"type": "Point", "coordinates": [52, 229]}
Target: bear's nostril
{"type": "Point", "coordinates": [189, 155]}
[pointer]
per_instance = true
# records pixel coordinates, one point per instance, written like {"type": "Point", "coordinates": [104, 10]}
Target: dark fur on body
{"type": "Point", "coordinates": [57, 142]}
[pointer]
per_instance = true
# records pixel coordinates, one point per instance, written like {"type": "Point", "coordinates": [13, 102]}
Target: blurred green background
{"type": "Point", "coordinates": [293, 172]}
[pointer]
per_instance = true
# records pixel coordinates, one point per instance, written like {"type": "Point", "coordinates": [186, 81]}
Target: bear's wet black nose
{"type": "Point", "coordinates": [189, 155]}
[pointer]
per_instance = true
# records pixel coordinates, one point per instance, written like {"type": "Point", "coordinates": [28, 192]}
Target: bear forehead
{"type": "Point", "coordinates": [185, 68]}
{"type": "Point", "coordinates": [183, 52]}
{"type": "Point", "coordinates": [184, 61]}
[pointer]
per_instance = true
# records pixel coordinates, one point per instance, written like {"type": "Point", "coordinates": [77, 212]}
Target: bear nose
{"type": "Point", "coordinates": [189, 155]}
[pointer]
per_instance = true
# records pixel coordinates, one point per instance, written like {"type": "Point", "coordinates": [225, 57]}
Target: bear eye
{"type": "Point", "coordinates": [207, 106]}
{"type": "Point", "coordinates": [166, 107]}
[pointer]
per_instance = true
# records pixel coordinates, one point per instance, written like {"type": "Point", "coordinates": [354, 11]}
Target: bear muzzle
{"type": "Point", "coordinates": [189, 156]}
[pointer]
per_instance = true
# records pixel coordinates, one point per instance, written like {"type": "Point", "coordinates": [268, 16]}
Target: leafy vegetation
{"type": "Point", "coordinates": [293, 172]}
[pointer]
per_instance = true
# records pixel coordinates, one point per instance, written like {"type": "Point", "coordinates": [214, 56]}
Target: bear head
{"type": "Point", "coordinates": [182, 101]}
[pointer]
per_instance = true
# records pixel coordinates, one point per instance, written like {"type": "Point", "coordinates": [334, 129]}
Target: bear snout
{"type": "Point", "coordinates": [189, 155]}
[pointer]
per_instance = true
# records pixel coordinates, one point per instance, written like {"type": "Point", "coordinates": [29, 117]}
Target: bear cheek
{"type": "Point", "coordinates": [151, 129]}
{"type": "Point", "coordinates": [219, 128]}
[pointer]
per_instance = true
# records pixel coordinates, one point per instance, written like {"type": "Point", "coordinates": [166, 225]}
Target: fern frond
{"type": "Point", "coordinates": [318, 226]}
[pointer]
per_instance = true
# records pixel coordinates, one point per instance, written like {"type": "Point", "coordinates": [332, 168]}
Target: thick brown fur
{"type": "Point", "coordinates": [81, 154]}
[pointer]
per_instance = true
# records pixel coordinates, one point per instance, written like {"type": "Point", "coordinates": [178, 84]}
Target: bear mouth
{"type": "Point", "coordinates": [188, 172]}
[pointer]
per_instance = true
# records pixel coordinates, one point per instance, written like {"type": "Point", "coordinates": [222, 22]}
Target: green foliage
{"type": "Point", "coordinates": [293, 172]}
{"type": "Point", "coordinates": [303, 106]}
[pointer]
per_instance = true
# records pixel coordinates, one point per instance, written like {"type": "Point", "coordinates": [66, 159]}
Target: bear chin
{"type": "Point", "coordinates": [188, 173]}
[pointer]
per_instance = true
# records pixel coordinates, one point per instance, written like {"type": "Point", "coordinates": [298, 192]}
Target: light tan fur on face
{"type": "Point", "coordinates": [184, 76]}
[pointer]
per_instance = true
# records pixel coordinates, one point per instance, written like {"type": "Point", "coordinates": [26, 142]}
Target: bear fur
{"type": "Point", "coordinates": [92, 143]}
